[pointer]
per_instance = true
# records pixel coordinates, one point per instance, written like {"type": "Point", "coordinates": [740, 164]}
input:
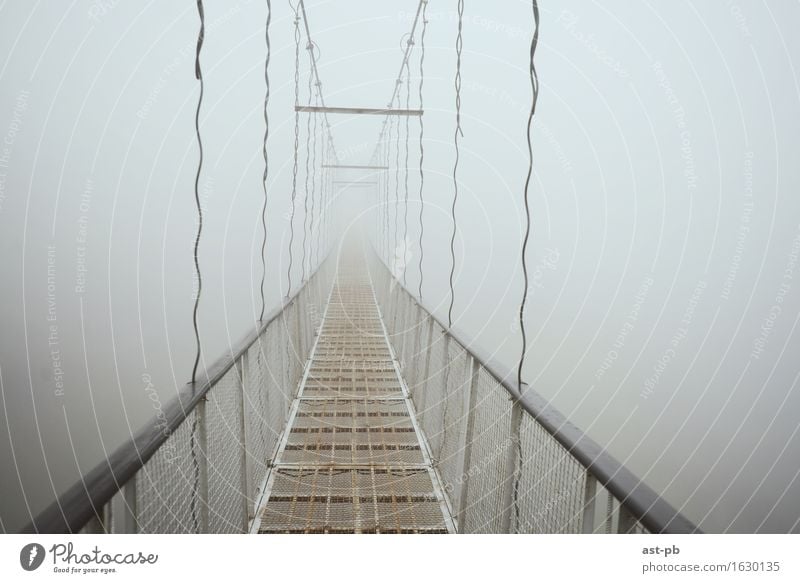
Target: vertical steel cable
{"type": "Point", "coordinates": [306, 227]}
{"type": "Point", "coordinates": [534, 98]}
{"type": "Point", "coordinates": [296, 145]}
{"type": "Point", "coordinates": [405, 198]}
{"type": "Point", "coordinates": [421, 136]}
{"type": "Point", "coordinates": [314, 187]}
{"type": "Point", "coordinates": [266, 160]}
{"type": "Point", "coordinates": [386, 154]}
{"type": "Point", "coordinates": [456, 134]}
{"type": "Point", "coordinates": [397, 185]}
{"type": "Point", "coordinates": [198, 73]}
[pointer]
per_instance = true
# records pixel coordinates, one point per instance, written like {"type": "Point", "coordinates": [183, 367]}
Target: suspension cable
{"type": "Point", "coordinates": [397, 188]}
{"type": "Point", "coordinates": [198, 73]}
{"type": "Point", "coordinates": [313, 227]}
{"type": "Point", "coordinates": [399, 74]}
{"type": "Point", "coordinates": [535, 97]}
{"type": "Point", "coordinates": [296, 145]}
{"type": "Point", "coordinates": [306, 227]}
{"type": "Point", "coordinates": [421, 136]}
{"type": "Point", "coordinates": [405, 198]}
{"type": "Point", "coordinates": [266, 160]}
{"type": "Point", "coordinates": [456, 134]}
{"type": "Point", "coordinates": [534, 77]}
{"type": "Point", "coordinates": [302, 7]}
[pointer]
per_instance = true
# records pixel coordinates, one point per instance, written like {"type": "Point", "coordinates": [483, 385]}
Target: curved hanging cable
{"type": "Point", "coordinates": [421, 136]}
{"type": "Point", "coordinates": [405, 187]}
{"type": "Point", "coordinates": [296, 146]}
{"type": "Point", "coordinates": [266, 161]}
{"type": "Point", "coordinates": [192, 437]}
{"type": "Point", "coordinates": [306, 227]}
{"type": "Point", "coordinates": [396, 190]}
{"type": "Point", "coordinates": [198, 73]}
{"type": "Point", "coordinates": [387, 155]}
{"type": "Point", "coordinates": [534, 98]}
{"type": "Point", "coordinates": [456, 134]}
{"type": "Point", "coordinates": [314, 226]}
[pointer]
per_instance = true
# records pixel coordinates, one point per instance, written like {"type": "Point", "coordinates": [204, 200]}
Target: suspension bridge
{"type": "Point", "coordinates": [350, 408]}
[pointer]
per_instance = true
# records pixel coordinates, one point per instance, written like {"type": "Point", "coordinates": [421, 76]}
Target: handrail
{"type": "Point", "coordinates": [644, 504]}
{"type": "Point", "coordinates": [85, 499]}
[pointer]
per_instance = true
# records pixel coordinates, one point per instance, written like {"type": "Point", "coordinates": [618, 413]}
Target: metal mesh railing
{"type": "Point", "coordinates": [203, 471]}
{"type": "Point", "coordinates": [508, 462]}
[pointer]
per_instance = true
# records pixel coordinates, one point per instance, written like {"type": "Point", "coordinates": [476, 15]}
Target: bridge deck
{"type": "Point", "coordinates": [352, 458]}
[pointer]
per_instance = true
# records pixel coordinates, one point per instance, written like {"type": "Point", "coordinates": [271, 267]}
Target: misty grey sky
{"type": "Point", "coordinates": [665, 209]}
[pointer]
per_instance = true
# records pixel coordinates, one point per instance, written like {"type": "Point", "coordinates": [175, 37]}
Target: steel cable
{"type": "Point", "coordinates": [306, 227]}
{"type": "Point", "coordinates": [396, 187]}
{"type": "Point", "coordinates": [405, 187]}
{"type": "Point", "coordinates": [456, 134]}
{"type": "Point", "coordinates": [421, 136]}
{"type": "Point", "coordinates": [535, 96]}
{"type": "Point", "coordinates": [534, 78]}
{"type": "Point", "coordinates": [266, 160]}
{"type": "Point", "coordinates": [199, 75]}
{"type": "Point", "coordinates": [296, 146]}
{"type": "Point", "coordinates": [314, 231]}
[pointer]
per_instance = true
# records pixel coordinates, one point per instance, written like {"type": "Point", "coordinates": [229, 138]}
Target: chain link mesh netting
{"type": "Point", "coordinates": [166, 487]}
{"type": "Point", "coordinates": [518, 482]}
{"type": "Point", "coordinates": [207, 475]}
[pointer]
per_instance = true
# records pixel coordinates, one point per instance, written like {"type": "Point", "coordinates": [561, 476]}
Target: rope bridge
{"type": "Point", "coordinates": [350, 408]}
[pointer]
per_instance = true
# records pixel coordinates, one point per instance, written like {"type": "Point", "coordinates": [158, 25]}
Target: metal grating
{"type": "Point", "coordinates": [351, 458]}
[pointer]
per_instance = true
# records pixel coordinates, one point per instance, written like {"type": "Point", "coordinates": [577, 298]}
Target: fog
{"type": "Point", "coordinates": [663, 302]}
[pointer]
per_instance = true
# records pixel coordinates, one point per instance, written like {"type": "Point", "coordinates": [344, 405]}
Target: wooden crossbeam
{"type": "Point", "coordinates": [357, 110]}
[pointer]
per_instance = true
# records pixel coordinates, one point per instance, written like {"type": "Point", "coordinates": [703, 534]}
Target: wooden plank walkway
{"type": "Point", "coordinates": [352, 458]}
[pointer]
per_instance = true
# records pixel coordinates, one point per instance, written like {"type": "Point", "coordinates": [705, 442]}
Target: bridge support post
{"type": "Point", "coordinates": [202, 461]}
{"type": "Point", "coordinates": [512, 461]}
{"type": "Point", "coordinates": [123, 509]}
{"type": "Point", "coordinates": [626, 522]}
{"type": "Point", "coordinates": [426, 370]}
{"type": "Point", "coordinates": [244, 473]}
{"type": "Point", "coordinates": [472, 398]}
{"type": "Point", "coordinates": [589, 497]}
